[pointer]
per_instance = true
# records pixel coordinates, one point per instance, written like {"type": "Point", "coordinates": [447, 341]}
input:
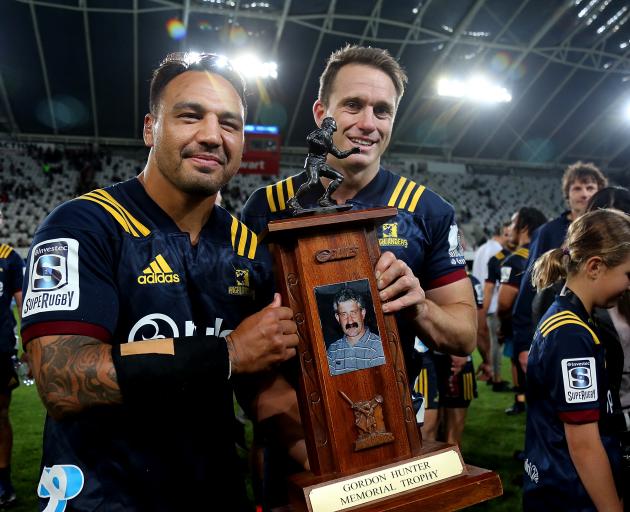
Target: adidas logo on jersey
{"type": "Point", "coordinates": [158, 272]}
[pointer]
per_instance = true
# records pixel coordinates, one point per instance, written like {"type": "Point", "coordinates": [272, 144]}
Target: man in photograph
{"type": "Point", "coordinates": [358, 348]}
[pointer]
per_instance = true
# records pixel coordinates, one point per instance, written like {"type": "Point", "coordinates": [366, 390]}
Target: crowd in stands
{"type": "Point", "coordinates": [34, 178]}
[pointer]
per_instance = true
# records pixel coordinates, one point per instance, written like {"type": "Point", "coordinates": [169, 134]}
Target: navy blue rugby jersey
{"type": "Point", "coordinates": [567, 382]}
{"type": "Point", "coordinates": [112, 265]}
{"type": "Point", "coordinates": [423, 234]}
{"type": "Point", "coordinates": [514, 266]}
{"type": "Point", "coordinates": [494, 266]}
{"type": "Point", "coordinates": [549, 236]}
{"type": "Point", "coordinates": [11, 275]}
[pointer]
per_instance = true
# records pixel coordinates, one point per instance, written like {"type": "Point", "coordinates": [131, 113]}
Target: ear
{"type": "Point", "coordinates": [319, 112]}
{"type": "Point", "coordinates": [594, 266]}
{"type": "Point", "coordinates": [337, 317]}
{"type": "Point", "coordinates": [363, 314]}
{"type": "Point", "coordinates": [147, 130]}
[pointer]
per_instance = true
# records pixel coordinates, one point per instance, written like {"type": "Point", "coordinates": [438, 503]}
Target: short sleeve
{"type": "Point", "coordinates": [478, 291]}
{"type": "Point", "coordinates": [16, 268]}
{"type": "Point", "coordinates": [511, 272]}
{"type": "Point", "coordinates": [493, 271]}
{"type": "Point", "coordinates": [572, 374]}
{"type": "Point", "coordinates": [69, 285]}
{"type": "Point", "coordinates": [444, 263]}
{"type": "Point", "coordinates": [255, 212]}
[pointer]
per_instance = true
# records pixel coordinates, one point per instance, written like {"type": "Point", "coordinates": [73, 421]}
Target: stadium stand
{"type": "Point", "coordinates": [35, 178]}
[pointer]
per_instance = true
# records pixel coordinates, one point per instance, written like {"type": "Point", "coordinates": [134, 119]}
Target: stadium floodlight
{"type": "Point", "coordinates": [475, 88]}
{"type": "Point", "coordinates": [192, 58]}
{"type": "Point", "coordinates": [626, 110]}
{"type": "Point", "coordinates": [252, 67]}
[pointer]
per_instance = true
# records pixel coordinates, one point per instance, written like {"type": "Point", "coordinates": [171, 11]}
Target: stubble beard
{"type": "Point", "coordinates": [192, 182]}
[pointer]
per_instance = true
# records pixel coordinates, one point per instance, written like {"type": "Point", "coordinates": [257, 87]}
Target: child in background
{"type": "Point", "coordinates": [572, 456]}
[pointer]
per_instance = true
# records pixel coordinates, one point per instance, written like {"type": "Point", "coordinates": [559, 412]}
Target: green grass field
{"type": "Point", "coordinates": [490, 440]}
{"type": "Point", "coordinates": [27, 418]}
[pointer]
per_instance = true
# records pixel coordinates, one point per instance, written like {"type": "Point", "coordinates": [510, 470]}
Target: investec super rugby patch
{"type": "Point", "coordinates": [505, 274]}
{"type": "Point", "coordinates": [53, 283]}
{"type": "Point", "coordinates": [455, 250]}
{"type": "Point", "coordinates": [580, 380]}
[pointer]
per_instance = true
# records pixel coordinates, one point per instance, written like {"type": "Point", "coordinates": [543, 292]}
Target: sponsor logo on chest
{"type": "Point", "coordinates": [158, 326]}
{"type": "Point", "coordinates": [158, 272]}
{"type": "Point", "coordinates": [53, 283]}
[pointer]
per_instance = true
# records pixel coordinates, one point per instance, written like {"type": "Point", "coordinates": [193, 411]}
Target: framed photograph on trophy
{"type": "Point", "coordinates": [346, 312]}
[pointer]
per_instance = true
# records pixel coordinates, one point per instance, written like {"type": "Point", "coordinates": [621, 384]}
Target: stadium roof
{"type": "Point", "coordinates": [81, 68]}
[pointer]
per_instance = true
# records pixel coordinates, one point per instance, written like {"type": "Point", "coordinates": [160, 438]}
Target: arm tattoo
{"type": "Point", "coordinates": [73, 373]}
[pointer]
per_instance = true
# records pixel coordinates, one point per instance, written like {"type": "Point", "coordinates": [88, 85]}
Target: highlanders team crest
{"type": "Point", "coordinates": [241, 278]}
{"type": "Point", "coordinates": [390, 236]}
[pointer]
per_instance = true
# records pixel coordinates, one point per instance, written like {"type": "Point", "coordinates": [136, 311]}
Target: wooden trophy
{"type": "Point", "coordinates": [363, 443]}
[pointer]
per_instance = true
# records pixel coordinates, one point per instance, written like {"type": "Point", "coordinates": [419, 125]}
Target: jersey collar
{"type": "Point", "coordinates": [373, 192]}
{"type": "Point", "coordinates": [134, 189]}
{"type": "Point", "coordinates": [568, 298]}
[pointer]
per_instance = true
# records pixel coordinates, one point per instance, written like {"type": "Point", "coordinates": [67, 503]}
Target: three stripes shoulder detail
{"type": "Point", "coordinates": [278, 194]}
{"type": "Point", "coordinates": [5, 250]}
{"type": "Point", "coordinates": [565, 318]}
{"type": "Point", "coordinates": [244, 240]}
{"type": "Point", "coordinates": [127, 221]}
{"type": "Point", "coordinates": [406, 195]}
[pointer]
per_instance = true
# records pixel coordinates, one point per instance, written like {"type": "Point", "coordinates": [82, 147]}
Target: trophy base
{"type": "Point", "coordinates": [437, 480]}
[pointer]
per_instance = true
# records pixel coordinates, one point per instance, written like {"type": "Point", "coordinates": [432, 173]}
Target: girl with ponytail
{"type": "Point", "coordinates": [572, 455]}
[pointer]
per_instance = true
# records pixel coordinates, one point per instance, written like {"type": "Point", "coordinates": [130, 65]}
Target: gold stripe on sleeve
{"type": "Point", "coordinates": [416, 198]}
{"type": "Point", "coordinates": [270, 201]}
{"type": "Point", "coordinates": [406, 194]}
{"type": "Point", "coordinates": [396, 193]}
{"type": "Point", "coordinates": [242, 240]}
{"type": "Point", "coordinates": [571, 321]}
{"type": "Point", "coordinates": [144, 231]}
{"type": "Point", "coordinates": [290, 192]}
{"type": "Point", "coordinates": [280, 193]}
{"type": "Point", "coordinates": [558, 316]}
{"type": "Point", "coordinates": [252, 246]}
{"type": "Point", "coordinates": [233, 230]}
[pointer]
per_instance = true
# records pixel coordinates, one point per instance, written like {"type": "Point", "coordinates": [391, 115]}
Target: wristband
{"type": "Point", "coordinates": [153, 370]}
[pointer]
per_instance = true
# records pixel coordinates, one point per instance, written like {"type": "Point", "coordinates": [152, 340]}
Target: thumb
{"type": "Point", "coordinates": [276, 302]}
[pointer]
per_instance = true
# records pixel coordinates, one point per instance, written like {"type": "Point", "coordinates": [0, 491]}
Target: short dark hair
{"type": "Point", "coordinates": [498, 229]}
{"type": "Point", "coordinates": [582, 171]}
{"type": "Point", "coordinates": [364, 55]}
{"type": "Point", "coordinates": [530, 219]}
{"type": "Point", "coordinates": [174, 64]}
{"type": "Point", "coordinates": [610, 197]}
{"type": "Point", "coordinates": [346, 294]}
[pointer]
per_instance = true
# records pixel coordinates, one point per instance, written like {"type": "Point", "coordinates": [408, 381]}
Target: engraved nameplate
{"type": "Point", "coordinates": [419, 472]}
{"type": "Point", "coordinates": [339, 253]}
